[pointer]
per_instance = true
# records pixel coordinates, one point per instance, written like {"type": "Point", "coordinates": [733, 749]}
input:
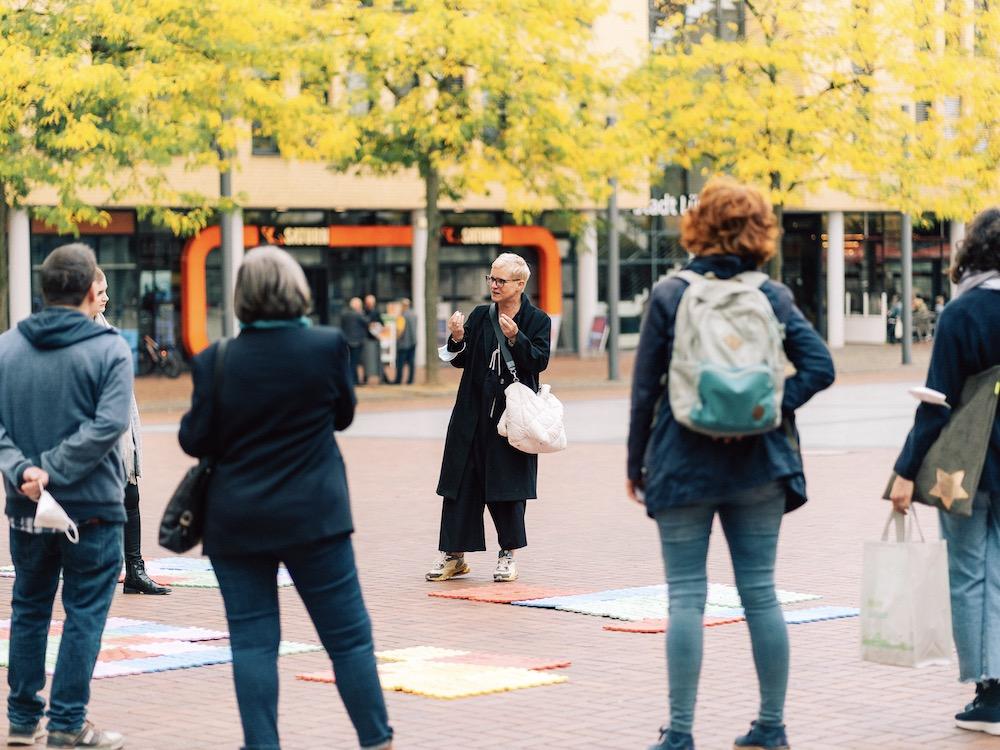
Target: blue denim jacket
{"type": "Point", "coordinates": [677, 466]}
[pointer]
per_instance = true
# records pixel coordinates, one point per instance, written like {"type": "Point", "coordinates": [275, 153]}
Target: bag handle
{"type": "Point", "coordinates": [904, 530]}
{"type": "Point", "coordinates": [217, 373]}
{"type": "Point", "coordinates": [502, 340]}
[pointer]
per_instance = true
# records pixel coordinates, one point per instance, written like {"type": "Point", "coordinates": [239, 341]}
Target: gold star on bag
{"type": "Point", "coordinates": [949, 487]}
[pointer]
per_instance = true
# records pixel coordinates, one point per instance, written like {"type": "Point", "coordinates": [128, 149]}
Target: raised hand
{"type": "Point", "coordinates": [456, 326]}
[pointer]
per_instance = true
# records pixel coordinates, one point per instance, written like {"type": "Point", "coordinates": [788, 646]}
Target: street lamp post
{"type": "Point", "coordinates": [906, 305]}
{"type": "Point", "coordinates": [614, 278]}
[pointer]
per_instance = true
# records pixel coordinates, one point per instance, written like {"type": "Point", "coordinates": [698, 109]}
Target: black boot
{"type": "Point", "coordinates": [136, 579]}
{"type": "Point", "coordinates": [137, 582]}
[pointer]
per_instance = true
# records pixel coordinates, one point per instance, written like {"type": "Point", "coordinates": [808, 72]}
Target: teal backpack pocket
{"type": "Point", "coordinates": [734, 401]}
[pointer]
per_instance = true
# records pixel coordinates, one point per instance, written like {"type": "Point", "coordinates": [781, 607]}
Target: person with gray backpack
{"type": "Point", "coordinates": [712, 431]}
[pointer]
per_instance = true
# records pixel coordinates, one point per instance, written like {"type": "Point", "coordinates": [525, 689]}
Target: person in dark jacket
{"type": "Point", "coordinates": [64, 405]}
{"type": "Point", "coordinates": [967, 342]}
{"type": "Point", "coordinates": [406, 343]}
{"type": "Point", "coordinates": [480, 469]}
{"type": "Point", "coordinates": [686, 478]}
{"type": "Point", "coordinates": [279, 494]}
{"type": "Point", "coordinates": [355, 327]}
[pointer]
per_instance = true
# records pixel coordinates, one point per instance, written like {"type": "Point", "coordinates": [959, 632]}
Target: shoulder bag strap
{"type": "Point", "coordinates": [217, 373]}
{"type": "Point", "coordinates": [502, 340]}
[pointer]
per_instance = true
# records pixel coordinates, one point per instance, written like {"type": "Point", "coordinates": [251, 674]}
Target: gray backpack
{"type": "Point", "coordinates": [727, 369]}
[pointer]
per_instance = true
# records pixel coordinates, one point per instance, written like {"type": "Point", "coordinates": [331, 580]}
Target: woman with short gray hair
{"type": "Point", "coordinates": [279, 495]}
{"type": "Point", "coordinates": [480, 470]}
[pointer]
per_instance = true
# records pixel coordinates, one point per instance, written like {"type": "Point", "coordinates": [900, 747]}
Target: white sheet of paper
{"type": "Point", "coordinates": [929, 395]}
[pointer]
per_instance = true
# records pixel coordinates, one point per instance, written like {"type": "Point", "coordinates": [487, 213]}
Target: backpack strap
{"type": "Point", "coordinates": [754, 278]}
{"type": "Point", "coordinates": [691, 277]}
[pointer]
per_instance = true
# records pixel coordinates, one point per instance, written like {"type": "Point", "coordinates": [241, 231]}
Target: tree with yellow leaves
{"type": "Point", "coordinates": [764, 90]}
{"type": "Point", "coordinates": [933, 127]}
{"type": "Point", "coordinates": [478, 96]}
{"type": "Point", "coordinates": [99, 99]}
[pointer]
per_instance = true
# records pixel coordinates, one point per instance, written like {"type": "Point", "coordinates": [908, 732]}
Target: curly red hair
{"type": "Point", "coordinates": [730, 218]}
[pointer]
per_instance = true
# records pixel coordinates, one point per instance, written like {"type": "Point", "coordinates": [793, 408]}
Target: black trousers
{"type": "Point", "coordinates": [462, 527]}
{"type": "Point", "coordinates": [133, 526]}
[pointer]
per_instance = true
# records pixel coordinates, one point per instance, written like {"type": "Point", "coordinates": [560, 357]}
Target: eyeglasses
{"type": "Point", "coordinates": [498, 283]}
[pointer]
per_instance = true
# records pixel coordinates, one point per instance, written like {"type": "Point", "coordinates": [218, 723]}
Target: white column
{"type": "Point", "coordinates": [19, 265]}
{"type": "Point", "coordinates": [586, 283]}
{"type": "Point", "coordinates": [232, 257]}
{"type": "Point", "coordinates": [956, 235]}
{"type": "Point", "coordinates": [835, 280]}
{"type": "Point", "coordinates": [418, 279]}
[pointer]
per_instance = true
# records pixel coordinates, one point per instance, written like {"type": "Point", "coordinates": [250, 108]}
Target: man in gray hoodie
{"type": "Point", "coordinates": [64, 403]}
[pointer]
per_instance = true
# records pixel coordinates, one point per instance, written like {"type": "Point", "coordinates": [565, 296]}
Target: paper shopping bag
{"type": "Point", "coordinates": [905, 604]}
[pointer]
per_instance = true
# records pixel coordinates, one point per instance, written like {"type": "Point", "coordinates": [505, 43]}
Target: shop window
{"type": "Point", "coordinates": [263, 145]}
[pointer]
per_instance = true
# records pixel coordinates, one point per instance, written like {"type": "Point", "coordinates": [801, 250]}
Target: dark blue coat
{"type": "Point", "coordinates": [966, 342]}
{"type": "Point", "coordinates": [280, 480]}
{"type": "Point", "coordinates": [680, 467]}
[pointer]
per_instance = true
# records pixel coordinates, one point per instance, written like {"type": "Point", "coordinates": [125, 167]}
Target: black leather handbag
{"type": "Point", "coordinates": [184, 518]}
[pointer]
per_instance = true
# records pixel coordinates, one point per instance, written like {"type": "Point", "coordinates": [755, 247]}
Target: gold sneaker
{"type": "Point", "coordinates": [448, 566]}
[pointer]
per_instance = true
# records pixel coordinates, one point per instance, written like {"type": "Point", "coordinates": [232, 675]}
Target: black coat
{"type": "Point", "coordinates": [355, 327]}
{"type": "Point", "coordinates": [509, 474]}
{"type": "Point", "coordinates": [280, 480]}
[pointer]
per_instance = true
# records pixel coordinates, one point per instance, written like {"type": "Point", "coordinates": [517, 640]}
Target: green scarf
{"type": "Point", "coordinates": [302, 322]}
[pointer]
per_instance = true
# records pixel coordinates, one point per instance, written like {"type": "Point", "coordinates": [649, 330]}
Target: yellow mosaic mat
{"type": "Point", "coordinates": [449, 673]}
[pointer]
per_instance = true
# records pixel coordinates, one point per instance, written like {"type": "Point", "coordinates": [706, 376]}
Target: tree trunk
{"type": "Point", "coordinates": [776, 266]}
{"type": "Point", "coordinates": [432, 183]}
{"type": "Point", "coordinates": [4, 261]}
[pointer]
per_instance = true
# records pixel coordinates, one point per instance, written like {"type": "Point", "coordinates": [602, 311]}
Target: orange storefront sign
{"type": "Point", "coordinates": [194, 298]}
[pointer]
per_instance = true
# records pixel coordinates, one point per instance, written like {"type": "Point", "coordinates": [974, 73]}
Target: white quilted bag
{"type": "Point", "coordinates": [532, 422]}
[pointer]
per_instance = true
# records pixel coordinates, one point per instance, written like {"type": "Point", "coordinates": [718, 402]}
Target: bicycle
{"type": "Point", "coordinates": [162, 359]}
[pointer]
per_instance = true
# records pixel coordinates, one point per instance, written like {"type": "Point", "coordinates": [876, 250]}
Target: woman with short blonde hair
{"type": "Point", "coordinates": [480, 470]}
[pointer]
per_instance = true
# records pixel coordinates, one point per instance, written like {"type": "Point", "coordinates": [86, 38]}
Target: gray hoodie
{"type": "Point", "coordinates": [65, 391]}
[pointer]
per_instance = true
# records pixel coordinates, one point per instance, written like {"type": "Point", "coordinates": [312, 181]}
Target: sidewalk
{"type": "Point", "coordinates": [572, 377]}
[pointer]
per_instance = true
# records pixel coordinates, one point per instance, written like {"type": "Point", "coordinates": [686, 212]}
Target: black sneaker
{"type": "Point", "coordinates": [762, 737]}
{"type": "Point", "coordinates": [24, 736]}
{"type": "Point", "coordinates": [983, 714]}
{"type": "Point", "coordinates": [671, 740]}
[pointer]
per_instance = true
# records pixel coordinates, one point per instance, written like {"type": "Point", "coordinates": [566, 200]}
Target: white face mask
{"type": "Point", "coordinates": [50, 515]}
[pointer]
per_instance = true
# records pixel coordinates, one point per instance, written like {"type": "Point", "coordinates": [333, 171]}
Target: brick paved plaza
{"type": "Point", "coordinates": [583, 534]}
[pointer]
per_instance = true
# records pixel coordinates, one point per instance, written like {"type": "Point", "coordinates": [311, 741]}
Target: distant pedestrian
{"type": "Point", "coordinates": [406, 343]}
{"type": "Point", "coordinates": [923, 319]}
{"type": "Point", "coordinates": [939, 303]}
{"type": "Point", "coordinates": [279, 494]}
{"type": "Point", "coordinates": [687, 478]}
{"type": "Point", "coordinates": [137, 581]}
{"type": "Point", "coordinates": [892, 324]}
{"type": "Point", "coordinates": [373, 342]}
{"type": "Point", "coordinates": [64, 405]}
{"type": "Point", "coordinates": [354, 324]}
{"type": "Point", "coordinates": [968, 343]}
{"type": "Point", "coordinates": [480, 469]}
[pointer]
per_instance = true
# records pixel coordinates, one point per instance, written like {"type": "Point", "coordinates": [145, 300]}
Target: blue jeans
{"type": "Point", "coordinates": [974, 573]}
{"type": "Point", "coordinates": [327, 580]}
{"type": "Point", "coordinates": [90, 572]}
{"type": "Point", "coordinates": [751, 520]}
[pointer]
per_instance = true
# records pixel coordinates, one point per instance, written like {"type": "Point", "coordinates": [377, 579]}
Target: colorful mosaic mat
{"type": "Point", "coordinates": [137, 646]}
{"type": "Point", "coordinates": [448, 673]}
{"type": "Point", "coordinates": [650, 602]}
{"type": "Point", "coordinates": [182, 572]}
{"type": "Point", "coordinates": [792, 617]}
